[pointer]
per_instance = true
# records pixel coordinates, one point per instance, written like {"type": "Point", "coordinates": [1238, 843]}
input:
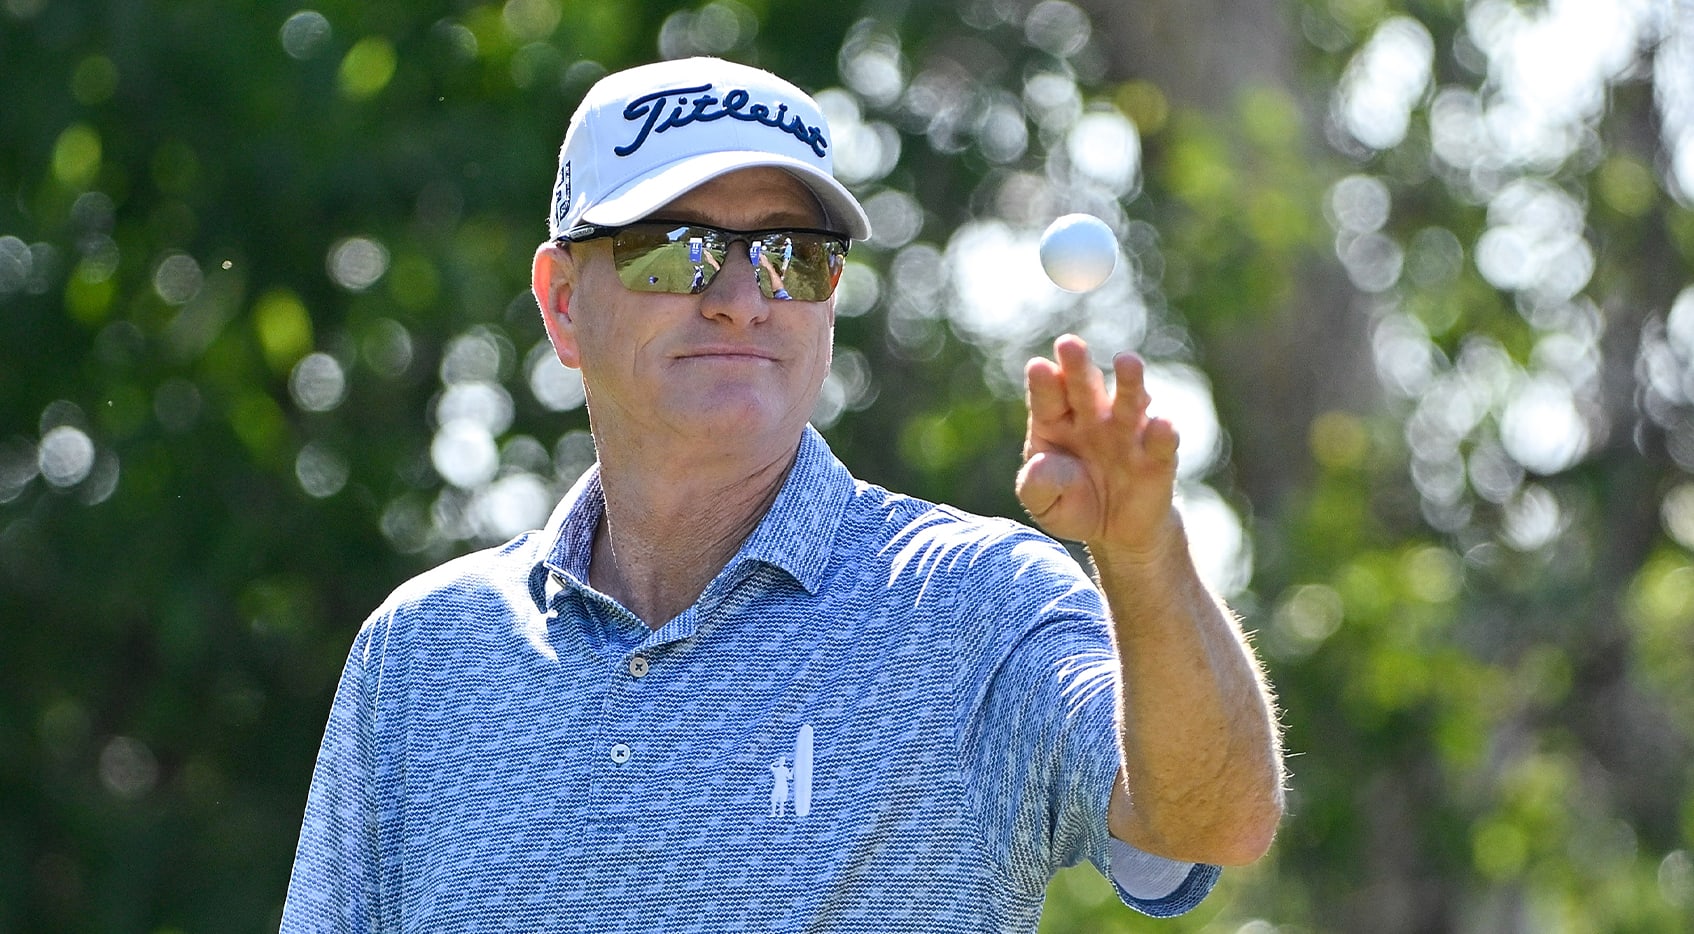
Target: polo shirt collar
{"type": "Point", "coordinates": [569, 532]}
{"type": "Point", "coordinates": [797, 534]}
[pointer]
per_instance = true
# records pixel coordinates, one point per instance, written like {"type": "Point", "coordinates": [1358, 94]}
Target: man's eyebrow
{"type": "Point", "coordinates": [793, 219]}
{"type": "Point", "coordinates": [772, 221]}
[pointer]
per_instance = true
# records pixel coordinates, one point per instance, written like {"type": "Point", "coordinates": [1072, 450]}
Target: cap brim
{"type": "Point", "coordinates": [632, 202]}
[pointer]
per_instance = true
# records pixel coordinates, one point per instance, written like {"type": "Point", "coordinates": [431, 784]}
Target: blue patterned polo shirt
{"type": "Point", "coordinates": [882, 715]}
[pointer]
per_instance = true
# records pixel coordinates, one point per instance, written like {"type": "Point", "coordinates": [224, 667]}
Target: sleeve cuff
{"type": "Point", "coordinates": [1155, 886]}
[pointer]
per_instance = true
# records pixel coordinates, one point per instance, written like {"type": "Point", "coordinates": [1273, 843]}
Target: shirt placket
{"type": "Point", "coordinates": [626, 755]}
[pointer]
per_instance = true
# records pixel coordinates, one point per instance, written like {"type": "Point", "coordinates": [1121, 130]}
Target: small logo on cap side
{"type": "Point", "coordinates": [705, 108]}
{"type": "Point", "coordinates": [562, 195]}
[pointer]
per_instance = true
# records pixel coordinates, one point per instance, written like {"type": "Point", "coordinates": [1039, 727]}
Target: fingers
{"type": "Point", "coordinates": [1046, 390]}
{"type": "Point", "coordinates": [1159, 439]}
{"type": "Point", "coordinates": [1085, 388]}
{"type": "Point", "coordinates": [1131, 400]}
{"type": "Point", "coordinates": [1067, 383]}
{"type": "Point", "coordinates": [1096, 467]}
{"type": "Point", "coordinates": [1068, 394]}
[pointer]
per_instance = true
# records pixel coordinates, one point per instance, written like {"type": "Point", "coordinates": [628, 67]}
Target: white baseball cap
{"type": "Point", "coordinates": [645, 136]}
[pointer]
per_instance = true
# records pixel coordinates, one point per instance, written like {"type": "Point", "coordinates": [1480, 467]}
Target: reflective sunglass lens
{"type": "Point", "coordinates": [684, 259]}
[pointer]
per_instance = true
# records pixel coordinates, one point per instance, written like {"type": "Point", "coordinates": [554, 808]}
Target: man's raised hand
{"type": "Point", "coordinates": [1097, 468]}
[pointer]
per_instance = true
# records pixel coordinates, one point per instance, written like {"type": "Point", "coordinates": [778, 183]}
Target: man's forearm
{"type": "Point", "coordinates": [1202, 757]}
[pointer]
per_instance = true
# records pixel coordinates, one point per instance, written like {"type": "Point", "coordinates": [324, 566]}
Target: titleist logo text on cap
{"type": "Point", "coordinates": [734, 104]}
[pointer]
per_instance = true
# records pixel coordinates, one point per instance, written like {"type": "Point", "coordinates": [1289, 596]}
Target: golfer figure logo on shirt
{"type": "Point", "coordinates": [800, 776]}
{"type": "Point", "coordinates": [780, 774]}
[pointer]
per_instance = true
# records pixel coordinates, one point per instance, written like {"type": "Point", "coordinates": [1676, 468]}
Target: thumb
{"type": "Point", "coordinates": [1044, 479]}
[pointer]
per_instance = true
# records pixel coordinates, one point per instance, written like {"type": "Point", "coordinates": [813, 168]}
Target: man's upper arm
{"type": "Point", "coordinates": [1041, 752]}
{"type": "Point", "coordinates": [336, 879]}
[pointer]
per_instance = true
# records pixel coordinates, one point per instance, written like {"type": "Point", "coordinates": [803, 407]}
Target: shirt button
{"type": "Point", "coordinates": [638, 666]}
{"type": "Point", "coordinates": [620, 753]}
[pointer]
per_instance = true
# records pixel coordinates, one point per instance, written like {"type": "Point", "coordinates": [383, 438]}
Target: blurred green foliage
{"type": "Point", "coordinates": [262, 265]}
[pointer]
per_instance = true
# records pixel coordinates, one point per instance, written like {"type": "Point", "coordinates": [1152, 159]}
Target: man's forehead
{"type": "Point", "coordinates": [749, 198]}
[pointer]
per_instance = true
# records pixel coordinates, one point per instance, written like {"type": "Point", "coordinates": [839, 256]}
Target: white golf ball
{"type": "Point", "coordinates": [1078, 252]}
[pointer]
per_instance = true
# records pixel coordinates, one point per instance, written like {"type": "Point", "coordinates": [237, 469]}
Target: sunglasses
{"type": "Point", "coordinates": [682, 259]}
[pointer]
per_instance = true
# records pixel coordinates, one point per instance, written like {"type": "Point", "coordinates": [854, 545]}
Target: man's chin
{"type": "Point", "coordinates": [736, 419]}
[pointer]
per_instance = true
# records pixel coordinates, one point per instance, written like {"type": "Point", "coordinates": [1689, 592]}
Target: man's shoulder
{"type": "Point", "coordinates": [903, 527]}
{"type": "Point", "coordinates": [467, 580]}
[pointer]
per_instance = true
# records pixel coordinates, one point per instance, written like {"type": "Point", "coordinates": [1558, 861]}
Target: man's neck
{"type": "Point", "coordinates": [673, 521]}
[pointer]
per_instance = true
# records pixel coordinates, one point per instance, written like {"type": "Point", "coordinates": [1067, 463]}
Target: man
{"type": "Point", "coordinates": [730, 688]}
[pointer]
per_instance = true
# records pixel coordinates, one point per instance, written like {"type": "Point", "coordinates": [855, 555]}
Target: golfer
{"type": "Point", "coordinates": [729, 687]}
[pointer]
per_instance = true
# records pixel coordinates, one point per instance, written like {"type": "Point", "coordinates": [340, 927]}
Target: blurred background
{"type": "Point", "coordinates": [1412, 276]}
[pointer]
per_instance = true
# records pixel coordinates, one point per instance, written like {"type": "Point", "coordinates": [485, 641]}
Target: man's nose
{"type": "Point", "coordinates": [734, 292]}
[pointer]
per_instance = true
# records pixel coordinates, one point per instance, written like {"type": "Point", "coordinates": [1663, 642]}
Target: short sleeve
{"type": "Point", "coordinates": [1039, 733]}
{"type": "Point", "coordinates": [1153, 885]}
{"type": "Point", "coordinates": [336, 880]}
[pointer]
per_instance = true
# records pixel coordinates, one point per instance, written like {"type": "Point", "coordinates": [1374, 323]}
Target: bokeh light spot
{"type": "Point", "coordinates": [896, 218]}
{"type": "Point", "coordinates": [464, 454]}
{"type": "Point", "coordinates": [1385, 80]}
{"type": "Point", "coordinates": [1105, 148]}
{"type": "Point", "coordinates": [387, 348]}
{"type": "Point", "coordinates": [1626, 186]}
{"type": "Point", "coordinates": [177, 279]}
{"type": "Point", "coordinates": [356, 263]}
{"type": "Point", "coordinates": [1676, 879]}
{"type": "Point", "coordinates": [1676, 511]}
{"type": "Point", "coordinates": [76, 156]}
{"type": "Point", "coordinates": [406, 524]}
{"type": "Point", "coordinates": [573, 454]}
{"type": "Point", "coordinates": [367, 68]}
{"type": "Point", "coordinates": [1533, 520]}
{"type": "Point", "coordinates": [1339, 440]}
{"type": "Point", "coordinates": [66, 456]}
{"type": "Point", "coordinates": [486, 404]}
{"type": "Point", "coordinates": [554, 385]}
{"type": "Point", "coordinates": [1057, 27]}
{"type": "Point", "coordinates": [305, 34]}
{"type": "Point", "coordinates": [321, 470]}
{"type": "Point", "coordinates": [1541, 427]}
{"type": "Point", "coordinates": [530, 20]}
{"type": "Point", "coordinates": [16, 264]}
{"type": "Point", "coordinates": [1145, 104]}
{"type": "Point", "coordinates": [20, 462]}
{"type": "Point", "coordinates": [872, 64]}
{"type": "Point", "coordinates": [511, 505]}
{"type": "Point", "coordinates": [1373, 261]}
{"type": "Point", "coordinates": [318, 383]}
{"type": "Point", "coordinates": [1499, 849]}
{"type": "Point", "coordinates": [714, 29]}
{"type": "Point", "coordinates": [94, 80]}
{"type": "Point", "coordinates": [1217, 541]}
{"type": "Point", "coordinates": [475, 356]}
{"type": "Point", "coordinates": [1433, 574]}
{"type": "Point", "coordinates": [1308, 616]}
{"type": "Point", "coordinates": [128, 768]}
{"type": "Point", "coordinates": [1436, 258]}
{"type": "Point", "coordinates": [1359, 204]}
{"type": "Point", "coordinates": [284, 329]}
{"type": "Point", "coordinates": [859, 291]}
{"type": "Point", "coordinates": [1182, 395]}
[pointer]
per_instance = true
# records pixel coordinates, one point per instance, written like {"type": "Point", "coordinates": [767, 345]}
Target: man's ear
{"type": "Point", "coordinates": [553, 281]}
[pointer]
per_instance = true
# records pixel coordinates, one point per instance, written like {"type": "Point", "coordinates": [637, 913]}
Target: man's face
{"type": "Point", "coordinates": [726, 364]}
